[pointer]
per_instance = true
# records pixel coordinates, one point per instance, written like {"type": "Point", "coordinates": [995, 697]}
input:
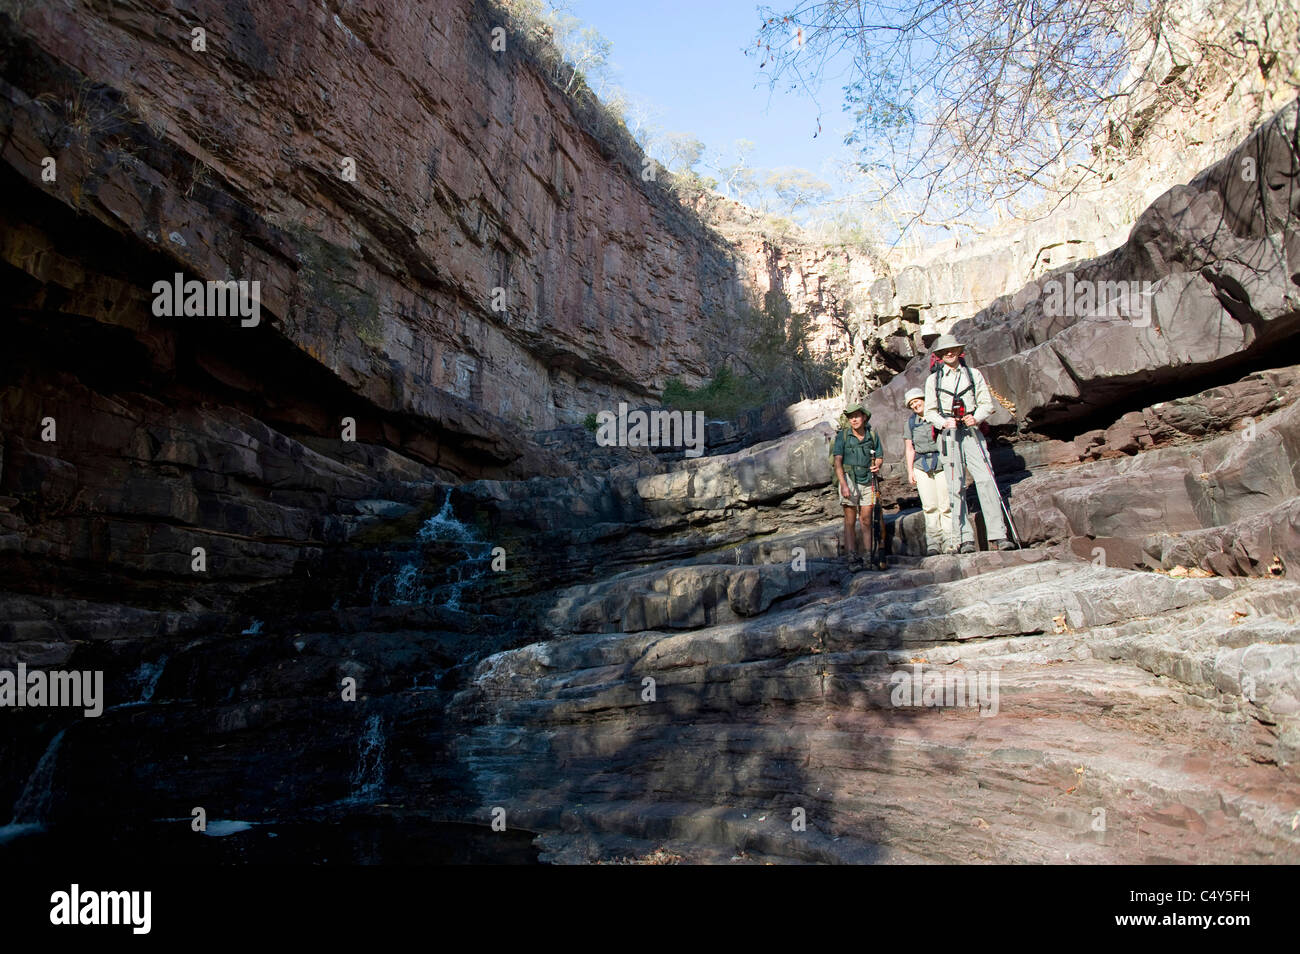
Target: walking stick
{"type": "Point", "coordinates": [1006, 511]}
{"type": "Point", "coordinates": [877, 526]}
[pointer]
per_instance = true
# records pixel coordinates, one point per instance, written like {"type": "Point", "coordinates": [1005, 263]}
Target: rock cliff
{"type": "Point", "coordinates": [343, 602]}
{"type": "Point", "coordinates": [432, 224]}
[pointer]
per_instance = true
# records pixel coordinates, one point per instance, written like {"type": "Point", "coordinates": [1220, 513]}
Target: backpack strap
{"type": "Point", "coordinates": [953, 394]}
{"type": "Point", "coordinates": [868, 439]}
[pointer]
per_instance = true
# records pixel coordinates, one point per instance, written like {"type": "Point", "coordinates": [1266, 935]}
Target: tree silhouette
{"type": "Point", "coordinates": [966, 106]}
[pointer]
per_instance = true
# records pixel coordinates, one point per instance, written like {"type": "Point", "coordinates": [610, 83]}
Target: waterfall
{"type": "Point", "coordinates": [405, 583]}
{"type": "Point", "coordinates": [443, 526]}
{"type": "Point", "coordinates": [146, 677]}
{"type": "Point", "coordinates": [368, 776]}
{"type": "Point", "coordinates": [34, 802]}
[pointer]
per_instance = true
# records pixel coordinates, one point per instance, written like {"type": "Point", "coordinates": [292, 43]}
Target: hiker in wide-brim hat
{"type": "Point", "coordinates": [957, 402]}
{"type": "Point", "coordinates": [857, 452]}
{"type": "Point", "coordinates": [925, 472]}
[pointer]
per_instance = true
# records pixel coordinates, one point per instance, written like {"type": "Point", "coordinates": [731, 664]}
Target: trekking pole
{"type": "Point", "coordinates": [877, 525]}
{"type": "Point", "coordinates": [871, 552]}
{"type": "Point", "coordinates": [1011, 526]}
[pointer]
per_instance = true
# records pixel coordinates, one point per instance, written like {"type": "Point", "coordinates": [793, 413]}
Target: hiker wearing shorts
{"type": "Point", "coordinates": [957, 401]}
{"type": "Point", "coordinates": [857, 453]}
{"type": "Point", "coordinates": [925, 473]}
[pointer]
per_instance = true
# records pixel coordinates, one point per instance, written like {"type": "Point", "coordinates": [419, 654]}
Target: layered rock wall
{"type": "Point", "coordinates": [1207, 283]}
{"type": "Point", "coordinates": [380, 171]}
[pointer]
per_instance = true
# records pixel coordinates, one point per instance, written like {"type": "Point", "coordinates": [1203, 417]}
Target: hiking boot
{"type": "Point", "coordinates": [966, 547]}
{"type": "Point", "coordinates": [1002, 544]}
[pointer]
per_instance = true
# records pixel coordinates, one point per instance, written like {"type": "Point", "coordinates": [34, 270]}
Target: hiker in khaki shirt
{"type": "Point", "coordinates": [857, 453]}
{"type": "Point", "coordinates": [957, 401]}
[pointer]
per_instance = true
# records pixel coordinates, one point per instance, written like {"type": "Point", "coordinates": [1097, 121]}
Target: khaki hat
{"type": "Point", "coordinates": [853, 408]}
{"type": "Point", "coordinates": [912, 395]}
{"type": "Point", "coordinates": [944, 342]}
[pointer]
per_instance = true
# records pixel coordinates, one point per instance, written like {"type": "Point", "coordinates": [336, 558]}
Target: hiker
{"type": "Point", "coordinates": [857, 454]}
{"type": "Point", "coordinates": [957, 401]}
{"type": "Point", "coordinates": [925, 473]}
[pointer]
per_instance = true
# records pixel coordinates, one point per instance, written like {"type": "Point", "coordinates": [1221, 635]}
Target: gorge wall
{"type": "Point", "coordinates": [182, 509]}
{"type": "Point", "coordinates": [380, 171]}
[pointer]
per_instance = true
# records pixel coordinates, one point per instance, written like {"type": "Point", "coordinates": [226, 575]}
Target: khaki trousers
{"type": "Point", "coordinates": [963, 453]}
{"type": "Point", "coordinates": [937, 506]}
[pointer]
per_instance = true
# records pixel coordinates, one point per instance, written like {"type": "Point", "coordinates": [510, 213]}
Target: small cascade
{"type": "Point", "coordinates": [464, 576]}
{"type": "Point", "coordinates": [368, 776]}
{"type": "Point", "coordinates": [145, 682]}
{"type": "Point", "coordinates": [444, 527]}
{"type": "Point", "coordinates": [145, 678]}
{"type": "Point", "coordinates": [407, 590]}
{"type": "Point", "coordinates": [34, 802]}
{"type": "Point", "coordinates": [466, 559]}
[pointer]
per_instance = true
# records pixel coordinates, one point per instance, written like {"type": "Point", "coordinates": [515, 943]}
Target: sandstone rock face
{"type": "Point", "coordinates": [378, 371]}
{"type": "Point", "coordinates": [795, 716]}
{"type": "Point", "coordinates": [681, 598]}
{"type": "Point", "coordinates": [1169, 491]}
{"type": "Point", "coordinates": [1220, 283]}
{"type": "Point", "coordinates": [471, 174]}
{"type": "Point", "coordinates": [914, 291]}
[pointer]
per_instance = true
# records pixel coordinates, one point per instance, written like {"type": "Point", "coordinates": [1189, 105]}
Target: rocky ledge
{"type": "Point", "coordinates": [1103, 737]}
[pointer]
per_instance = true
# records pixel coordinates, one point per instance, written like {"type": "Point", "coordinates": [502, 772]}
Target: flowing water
{"type": "Point", "coordinates": [34, 802]}
{"type": "Point", "coordinates": [450, 559]}
{"type": "Point", "coordinates": [368, 776]}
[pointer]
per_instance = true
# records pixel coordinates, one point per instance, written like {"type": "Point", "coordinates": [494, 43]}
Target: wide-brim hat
{"type": "Point", "coordinates": [855, 409]}
{"type": "Point", "coordinates": [944, 342]}
{"type": "Point", "coordinates": [912, 394]}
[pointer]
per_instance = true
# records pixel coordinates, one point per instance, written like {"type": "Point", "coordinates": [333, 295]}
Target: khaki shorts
{"type": "Point", "coordinates": [860, 494]}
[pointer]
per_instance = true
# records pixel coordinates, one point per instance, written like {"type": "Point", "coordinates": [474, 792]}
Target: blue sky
{"type": "Point", "coordinates": [684, 58]}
